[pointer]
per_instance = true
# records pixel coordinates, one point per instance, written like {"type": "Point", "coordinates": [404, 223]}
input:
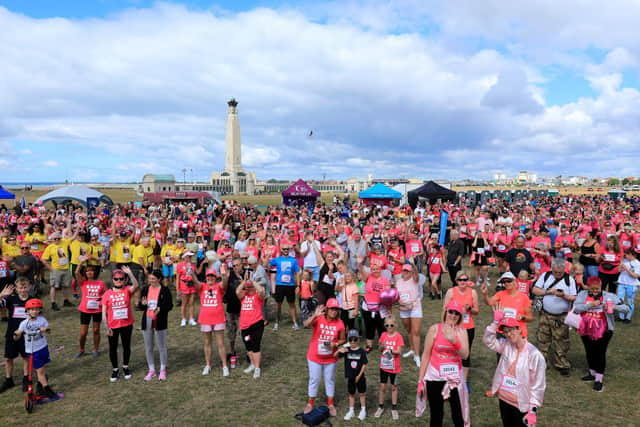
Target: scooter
{"type": "Point", "coordinates": [31, 398]}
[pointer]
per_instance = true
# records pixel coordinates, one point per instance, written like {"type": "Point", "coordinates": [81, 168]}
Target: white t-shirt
{"type": "Point", "coordinates": [625, 278]}
{"type": "Point", "coordinates": [34, 340]}
{"type": "Point", "coordinates": [310, 259]}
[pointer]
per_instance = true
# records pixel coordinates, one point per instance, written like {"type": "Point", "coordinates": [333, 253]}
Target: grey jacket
{"type": "Point", "coordinates": [580, 306]}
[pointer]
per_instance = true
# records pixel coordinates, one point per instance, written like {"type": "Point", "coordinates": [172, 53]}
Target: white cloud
{"type": "Point", "coordinates": [50, 164]}
{"type": "Point", "coordinates": [148, 88]}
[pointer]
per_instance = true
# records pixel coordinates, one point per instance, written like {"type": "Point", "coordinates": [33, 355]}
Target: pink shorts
{"type": "Point", "coordinates": [209, 328]}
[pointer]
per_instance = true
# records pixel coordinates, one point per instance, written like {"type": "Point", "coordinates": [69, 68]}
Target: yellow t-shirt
{"type": "Point", "coordinates": [57, 254]}
{"type": "Point", "coordinates": [10, 250]}
{"type": "Point", "coordinates": [145, 253]}
{"type": "Point", "coordinates": [121, 251]}
{"type": "Point", "coordinates": [96, 250]}
{"type": "Point", "coordinates": [167, 253]}
{"type": "Point", "coordinates": [79, 248]}
{"type": "Point", "coordinates": [39, 246]}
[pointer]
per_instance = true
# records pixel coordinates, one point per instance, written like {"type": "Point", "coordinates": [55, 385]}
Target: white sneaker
{"type": "Point", "coordinates": [363, 414]}
{"type": "Point", "coordinates": [408, 354]}
{"type": "Point", "coordinates": [192, 322]}
{"type": "Point", "coordinates": [183, 323]}
{"type": "Point", "coordinates": [250, 369]}
{"type": "Point", "coordinates": [206, 370]}
{"type": "Point", "coordinates": [349, 414]}
{"type": "Point", "coordinates": [295, 326]}
{"type": "Point", "coordinates": [225, 371]}
{"type": "Point", "coordinates": [379, 412]}
{"type": "Point", "coordinates": [256, 373]}
{"type": "Point", "coordinates": [275, 326]}
{"type": "Point", "coordinates": [395, 415]}
{"type": "Point", "coordinates": [417, 360]}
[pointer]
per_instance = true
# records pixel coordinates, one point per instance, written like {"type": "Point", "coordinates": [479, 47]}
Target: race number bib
{"type": "Point", "coordinates": [324, 348]}
{"type": "Point", "coordinates": [509, 384]}
{"type": "Point", "coordinates": [120, 313]}
{"type": "Point", "coordinates": [480, 251]}
{"type": "Point", "coordinates": [466, 318]}
{"type": "Point", "coordinates": [609, 257]}
{"type": "Point", "coordinates": [326, 279]}
{"type": "Point", "coordinates": [415, 248]}
{"type": "Point", "coordinates": [19, 313]}
{"type": "Point", "coordinates": [152, 304]}
{"type": "Point", "coordinates": [502, 248]}
{"type": "Point", "coordinates": [449, 371]}
{"type": "Point", "coordinates": [509, 312]}
{"type": "Point", "coordinates": [34, 247]}
{"type": "Point", "coordinates": [63, 261]}
{"type": "Point", "coordinates": [167, 260]}
{"type": "Point", "coordinates": [387, 361]}
{"type": "Point", "coordinates": [126, 255]}
{"type": "Point", "coordinates": [93, 304]}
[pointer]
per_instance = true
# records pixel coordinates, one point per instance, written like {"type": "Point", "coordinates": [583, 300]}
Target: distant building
{"type": "Point", "coordinates": [525, 177]}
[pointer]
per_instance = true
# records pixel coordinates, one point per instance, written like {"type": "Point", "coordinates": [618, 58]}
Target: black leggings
{"type": "Point", "coordinates": [609, 281]}
{"type": "Point", "coordinates": [597, 351]}
{"type": "Point", "coordinates": [436, 404]}
{"type": "Point", "coordinates": [372, 324]}
{"type": "Point", "coordinates": [348, 323]}
{"type": "Point", "coordinates": [252, 336]}
{"type": "Point", "coordinates": [125, 335]}
{"type": "Point", "coordinates": [471, 333]}
{"type": "Point", "coordinates": [511, 416]}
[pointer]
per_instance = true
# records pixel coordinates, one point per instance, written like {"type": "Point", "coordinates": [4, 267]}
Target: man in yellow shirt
{"type": "Point", "coordinates": [121, 250]}
{"type": "Point", "coordinates": [142, 258]}
{"type": "Point", "coordinates": [56, 259]}
{"type": "Point", "coordinates": [80, 249]}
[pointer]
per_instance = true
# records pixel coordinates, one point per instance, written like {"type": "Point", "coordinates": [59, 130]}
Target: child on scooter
{"type": "Point", "coordinates": [35, 344]}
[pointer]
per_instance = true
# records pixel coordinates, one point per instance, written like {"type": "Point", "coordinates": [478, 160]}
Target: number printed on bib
{"type": "Point", "coordinates": [120, 313]}
{"type": "Point", "coordinates": [19, 313]}
{"type": "Point", "coordinates": [62, 261]}
{"type": "Point", "coordinates": [480, 251]}
{"type": "Point", "coordinates": [387, 362]}
{"type": "Point", "coordinates": [509, 312]}
{"type": "Point", "coordinates": [285, 278]}
{"type": "Point", "coordinates": [509, 384]}
{"type": "Point", "coordinates": [152, 305]}
{"type": "Point", "coordinates": [93, 304]}
{"type": "Point", "coordinates": [324, 348]}
{"type": "Point", "coordinates": [466, 318]}
{"type": "Point", "coordinates": [449, 371]}
{"type": "Point", "coordinates": [502, 247]}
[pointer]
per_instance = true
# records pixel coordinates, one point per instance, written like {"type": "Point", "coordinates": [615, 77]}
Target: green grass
{"type": "Point", "coordinates": [188, 398]}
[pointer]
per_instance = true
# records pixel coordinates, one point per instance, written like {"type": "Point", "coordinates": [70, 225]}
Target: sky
{"type": "Point", "coordinates": [108, 90]}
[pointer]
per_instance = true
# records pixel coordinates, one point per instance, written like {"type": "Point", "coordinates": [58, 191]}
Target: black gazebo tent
{"type": "Point", "coordinates": [431, 191]}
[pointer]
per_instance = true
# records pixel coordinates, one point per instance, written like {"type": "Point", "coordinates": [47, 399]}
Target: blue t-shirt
{"type": "Point", "coordinates": [286, 268]}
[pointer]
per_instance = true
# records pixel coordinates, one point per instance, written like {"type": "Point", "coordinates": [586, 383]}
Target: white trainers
{"type": "Point", "coordinates": [408, 354]}
{"type": "Point", "coordinates": [379, 412]}
{"type": "Point", "coordinates": [206, 370]}
{"type": "Point", "coordinates": [395, 415]}
{"type": "Point", "coordinates": [295, 327]}
{"type": "Point", "coordinates": [275, 326]}
{"type": "Point", "coordinates": [417, 360]}
{"type": "Point", "coordinates": [363, 414]}
{"type": "Point", "coordinates": [256, 373]}
{"type": "Point", "coordinates": [250, 369]}
{"type": "Point", "coordinates": [183, 323]}
{"type": "Point", "coordinates": [350, 414]}
{"type": "Point", "coordinates": [225, 371]}
{"type": "Point", "coordinates": [192, 322]}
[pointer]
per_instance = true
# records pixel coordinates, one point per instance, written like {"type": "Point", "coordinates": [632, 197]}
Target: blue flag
{"type": "Point", "coordinates": [444, 216]}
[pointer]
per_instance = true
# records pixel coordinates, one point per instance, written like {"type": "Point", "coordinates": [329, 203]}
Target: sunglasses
{"type": "Point", "coordinates": [24, 247]}
{"type": "Point", "coordinates": [462, 279]}
{"type": "Point", "coordinates": [453, 312]}
{"type": "Point", "coordinates": [507, 280]}
{"type": "Point", "coordinates": [353, 339]}
{"type": "Point", "coordinates": [389, 325]}
{"type": "Point", "coordinates": [237, 265]}
{"type": "Point", "coordinates": [118, 279]}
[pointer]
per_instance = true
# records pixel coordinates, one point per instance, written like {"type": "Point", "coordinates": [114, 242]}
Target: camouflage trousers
{"type": "Point", "coordinates": [552, 330]}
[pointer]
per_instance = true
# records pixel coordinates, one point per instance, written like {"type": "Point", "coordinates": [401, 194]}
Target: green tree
{"type": "Point", "coordinates": [613, 181]}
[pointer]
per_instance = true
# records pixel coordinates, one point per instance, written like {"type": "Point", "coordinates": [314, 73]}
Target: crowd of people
{"type": "Point", "coordinates": [351, 273]}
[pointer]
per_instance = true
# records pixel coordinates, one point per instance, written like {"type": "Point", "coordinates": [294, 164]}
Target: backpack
{"type": "Point", "coordinates": [316, 417]}
{"type": "Point", "coordinates": [537, 299]}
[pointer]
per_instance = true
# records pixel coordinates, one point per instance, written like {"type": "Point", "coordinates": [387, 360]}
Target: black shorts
{"type": "Point", "coordinates": [252, 336]}
{"type": "Point", "coordinates": [283, 291]}
{"type": "Point", "coordinates": [361, 385]}
{"type": "Point", "coordinates": [386, 377]}
{"type": "Point", "coordinates": [85, 318]}
{"type": "Point", "coordinates": [13, 349]}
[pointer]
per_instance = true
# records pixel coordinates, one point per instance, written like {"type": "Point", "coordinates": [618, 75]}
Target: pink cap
{"type": "Point", "coordinates": [332, 303]}
{"type": "Point", "coordinates": [211, 272]}
{"type": "Point", "coordinates": [508, 322]}
{"type": "Point", "coordinates": [453, 305]}
{"type": "Point", "coordinates": [407, 267]}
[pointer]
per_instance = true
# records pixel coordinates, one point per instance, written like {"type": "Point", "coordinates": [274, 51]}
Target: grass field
{"type": "Point", "coordinates": [188, 398]}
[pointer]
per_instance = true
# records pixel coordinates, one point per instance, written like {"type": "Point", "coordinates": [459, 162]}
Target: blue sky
{"type": "Point", "coordinates": [109, 90]}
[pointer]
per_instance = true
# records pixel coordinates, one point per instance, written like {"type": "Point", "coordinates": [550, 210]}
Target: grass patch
{"type": "Point", "coordinates": [189, 398]}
